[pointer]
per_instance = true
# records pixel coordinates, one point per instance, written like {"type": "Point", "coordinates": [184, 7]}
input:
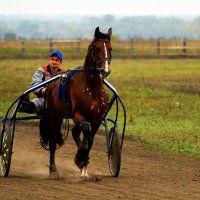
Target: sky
{"type": "Point", "coordinates": [101, 7]}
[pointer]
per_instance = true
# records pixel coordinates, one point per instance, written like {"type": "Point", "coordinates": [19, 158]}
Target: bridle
{"type": "Point", "coordinates": [94, 54]}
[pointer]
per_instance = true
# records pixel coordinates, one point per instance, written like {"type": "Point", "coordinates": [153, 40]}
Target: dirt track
{"type": "Point", "coordinates": [144, 174]}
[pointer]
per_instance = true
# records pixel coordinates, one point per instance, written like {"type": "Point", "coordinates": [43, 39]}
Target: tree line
{"type": "Point", "coordinates": [82, 27]}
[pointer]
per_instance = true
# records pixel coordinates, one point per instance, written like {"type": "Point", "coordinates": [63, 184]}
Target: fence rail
{"type": "Point", "coordinates": [122, 49]}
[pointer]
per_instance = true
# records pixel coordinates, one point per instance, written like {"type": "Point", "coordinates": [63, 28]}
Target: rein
{"type": "Point", "coordinates": [82, 69]}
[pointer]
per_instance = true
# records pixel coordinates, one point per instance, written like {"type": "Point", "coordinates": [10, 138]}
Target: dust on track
{"type": "Point", "coordinates": [144, 174]}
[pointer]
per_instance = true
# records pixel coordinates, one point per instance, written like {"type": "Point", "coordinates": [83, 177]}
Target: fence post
{"type": "Point", "coordinates": [158, 47]}
{"type": "Point", "coordinates": [184, 46]}
{"type": "Point", "coordinates": [78, 46]}
{"type": "Point", "coordinates": [132, 46]}
{"type": "Point", "coordinates": [22, 48]}
{"type": "Point", "coordinates": [50, 46]}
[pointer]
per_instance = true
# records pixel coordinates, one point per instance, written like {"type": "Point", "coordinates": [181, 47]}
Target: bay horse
{"type": "Point", "coordinates": [87, 99]}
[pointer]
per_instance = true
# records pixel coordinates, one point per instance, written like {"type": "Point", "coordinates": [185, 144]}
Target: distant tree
{"type": "Point", "coordinates": [10, 36]}
{"type": "Point", "coordinates": [124, 28]}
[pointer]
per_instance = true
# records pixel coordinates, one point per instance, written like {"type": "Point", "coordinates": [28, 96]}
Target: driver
{"type": "Point", "coordinates": [43, 73]}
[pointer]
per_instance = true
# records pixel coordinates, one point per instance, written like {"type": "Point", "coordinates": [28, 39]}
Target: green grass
{"type": "Point", "coordinates": [162, 102]}
{"type": "Point", "coordinates": [162, 98]}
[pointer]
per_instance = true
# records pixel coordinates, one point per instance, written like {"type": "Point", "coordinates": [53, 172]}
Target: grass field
{"type": "Point", "coordinates": [162, 98]}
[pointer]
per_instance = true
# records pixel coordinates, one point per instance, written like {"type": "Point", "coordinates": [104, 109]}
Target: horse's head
{"type": "Point", "coordinates": [100, 50]}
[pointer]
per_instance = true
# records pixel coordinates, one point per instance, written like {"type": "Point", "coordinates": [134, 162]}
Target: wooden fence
{"type": "Point", "coordinates": [121, 49]}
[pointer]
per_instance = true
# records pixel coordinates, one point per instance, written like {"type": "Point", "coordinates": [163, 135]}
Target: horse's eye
{"type": "Point", "coordinates": [98, 49]}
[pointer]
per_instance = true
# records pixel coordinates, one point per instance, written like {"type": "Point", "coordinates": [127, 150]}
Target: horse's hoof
{"type": "Point", "coordinates": [54, 176]}
{"type": "Point", "coordinates": [84, 178]}
{"type": "Point", "coordinates": [84, 175]}
{"type": "Point", "coordinates": [95, 179]}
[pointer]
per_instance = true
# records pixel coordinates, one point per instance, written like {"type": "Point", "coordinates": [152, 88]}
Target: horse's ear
{"type": "Point", "coordinates": [96, 32]}
{"type": "Point", "coordinates": [110, 32]}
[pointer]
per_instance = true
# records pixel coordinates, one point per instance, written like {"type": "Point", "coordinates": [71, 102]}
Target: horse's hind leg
{"type": "Point", "coordinates": [52, 149]}
{"type": "Point", "coordinates": [59, 136]}
{"type": "Point", "coordinates": [54, 128]}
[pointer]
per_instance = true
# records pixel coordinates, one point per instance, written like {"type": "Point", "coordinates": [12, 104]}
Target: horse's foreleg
{"type": "Point", "coordinates": [53, 130]}
{"type": "Point", "coordinates": [76, 131]}
{"type": "Point", "coordinates": [85, 127]}
{"type": "Point", "coordinates": [81, 158]}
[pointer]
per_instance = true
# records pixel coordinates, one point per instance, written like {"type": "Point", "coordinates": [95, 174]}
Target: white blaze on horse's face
{"type": "Point", "coordinates": [106, 56]}
{"type": "Point", "coordinates": [104, 61]}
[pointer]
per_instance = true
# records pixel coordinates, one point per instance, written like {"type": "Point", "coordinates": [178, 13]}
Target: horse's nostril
{"type": "Point", "coordinates": [104, 72]}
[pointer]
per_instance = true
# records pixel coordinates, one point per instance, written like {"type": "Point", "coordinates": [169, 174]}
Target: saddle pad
{"type": "Point", "coordinates": [62, 90]}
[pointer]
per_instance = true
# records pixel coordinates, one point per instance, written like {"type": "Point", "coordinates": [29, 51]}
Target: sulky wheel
{"type": "Point", "coordinates": [6, 149]}
{"type": "Point", "coordinates": [114, 155]}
